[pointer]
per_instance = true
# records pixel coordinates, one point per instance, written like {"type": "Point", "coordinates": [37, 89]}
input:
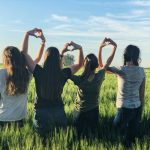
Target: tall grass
{"type": "Point", "coordinates": [26, 138]}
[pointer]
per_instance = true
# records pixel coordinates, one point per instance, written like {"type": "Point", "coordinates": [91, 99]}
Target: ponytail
{"type": "Point", "coordinates": [91, 63]}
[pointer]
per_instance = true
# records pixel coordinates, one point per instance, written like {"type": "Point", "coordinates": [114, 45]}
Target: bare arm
{"type": "Point", "coordinates": [41, 49]}
{"type": "Point", "coordinates": [40, 53]}
{"type": "Point", "coordinates": [142, 93]}
{"type": "Point", "coordinates": [100, 54]}
{"type": "Point", "coordinates": [30, 62]}
{"type": "Point", "coordinates": [78, 65]}
{"type": "Point", "coordinates": [110, 58]}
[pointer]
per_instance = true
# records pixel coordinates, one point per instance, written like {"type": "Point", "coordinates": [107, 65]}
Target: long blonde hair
{"type": "Point", "coordinates": [17, 73]}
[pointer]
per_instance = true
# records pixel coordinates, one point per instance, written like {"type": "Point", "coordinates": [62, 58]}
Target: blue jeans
{"type": "Point", "coordinates": [128, 122]}
{"type": "Point", "coordinates": [47, 119]}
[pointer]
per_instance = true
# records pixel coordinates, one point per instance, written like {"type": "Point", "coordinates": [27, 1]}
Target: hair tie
{"type": "Point", "coordinates": [88, 59]}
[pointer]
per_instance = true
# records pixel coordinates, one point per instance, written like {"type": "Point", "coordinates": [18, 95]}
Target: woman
{"type": "Point", "coordinates": [14, 81]}
{"type": "Point", "coordinates": [86, 114]}
{"type": "Point", "coordinates": [130, 95]}
{"type": "Point", "coordinates": [49, 81]}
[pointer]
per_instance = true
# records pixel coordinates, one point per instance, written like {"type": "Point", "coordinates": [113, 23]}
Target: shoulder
{"type": "Point", "coordinates": [101, 72]}
{"type": "Point", "coordinates": [67, 72]}
{"type": "Point", "coordinates": [37, 70]}
{"type": "Point", "coordinates": [76, 79]}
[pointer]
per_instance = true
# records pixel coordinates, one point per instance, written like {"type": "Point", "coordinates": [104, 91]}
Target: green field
{"type": "Point", "coordinates": [26, 139]}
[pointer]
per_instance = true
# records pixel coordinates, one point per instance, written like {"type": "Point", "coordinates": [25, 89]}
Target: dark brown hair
{"type": "Point", "coordinates": [51, 76]}
{"type": "Point", "coordinates": [17, 74]}
{"type": "Point", "coordinates": [132, 54]}
{"type": "Point", "coordinates": [90, 64]}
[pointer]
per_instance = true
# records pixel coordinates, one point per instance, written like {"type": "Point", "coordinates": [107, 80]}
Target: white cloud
{"type": "Point", "coordinates": [63, 27]}
{"type": "Point", "coordinates": [60, 18]}
{"type": "Point", "coordinates": [138, 12]}
{"type": "Point", "coordinates": [140, 3]}
{"type": "Point", "coordinates": [46, 20]}
{"type": "Point", "coordinates": [18, 21]}
{"type": "Point", "coordinates": [107, 23]}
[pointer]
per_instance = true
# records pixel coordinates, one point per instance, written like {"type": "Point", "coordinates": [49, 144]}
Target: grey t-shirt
{"type": "Point", "coordinates": [12, 108]}
{"type": "Point", "coordinates": [129, 80]}
{"type": "Point", "coordinates": [88, 91]}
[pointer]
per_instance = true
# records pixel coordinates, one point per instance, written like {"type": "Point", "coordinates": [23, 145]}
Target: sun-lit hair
{"type": "Point", "coordinates": [17, 73]}
{"type": "Point", "coordinates": [132, 54]}
{"type": "Point", "coordinates": [51, 75]}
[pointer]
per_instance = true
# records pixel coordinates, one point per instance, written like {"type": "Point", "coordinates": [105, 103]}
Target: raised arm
{"type": "Point", "coordinates": [41, 49]}
{"type": "Point", "coordinates": [142, 93]}
{"type": "Point", "coordinates": [63, 51]}
{"type": "Point", "coordinates": [103, 44]}
{"type": "Point", "coordinates": [78, 65]}
{"type": "Point", "coordinates": [106, 41]}
{"type": "Point", "coordinates": [30, 62]}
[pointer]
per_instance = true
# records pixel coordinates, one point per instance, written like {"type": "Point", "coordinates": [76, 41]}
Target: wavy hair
{"type": "Point", "coordinates": [17, 74]}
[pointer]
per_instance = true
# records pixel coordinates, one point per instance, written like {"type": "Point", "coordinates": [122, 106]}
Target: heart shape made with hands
{"type": "Point", "coordinates": [107, 41]}
{"type": "Point", "coordinates": [36, 32]}
{"type": "Point", "coordinates": [71, 47]}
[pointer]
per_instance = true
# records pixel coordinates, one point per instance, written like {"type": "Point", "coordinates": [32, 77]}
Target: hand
{"type": "Point", "coordinates": [40, 35]}
{"type": "Point", "coordinates": [33, 32]}
{"type": "Point", "coordinates": [111, 42]}
{"type": "Point", "coordinates": [108, 41]}
{"type": "Point", "coordinates": [75, 46]}
{"type": "Point", "coordinates": [65, 49]}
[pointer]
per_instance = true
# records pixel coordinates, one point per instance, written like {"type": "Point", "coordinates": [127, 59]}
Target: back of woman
{"type": "Point", "coordinates": [88, 91]}
{"type": "Point", "coordinates": [14, 79]}
{"type": "Point", "coordinates": [86, 113]}
{"type": "Point", "coordinates": [129, 82]}
{"type": "Point", "coordinates": [53, 98]}
{"type": "Point", "coordinates": [130, 95]}
{"type": "Point", "coordinates": [49, 82]}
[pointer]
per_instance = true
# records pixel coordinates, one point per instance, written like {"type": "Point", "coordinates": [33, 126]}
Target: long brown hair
{"type": "Point", "coordinates": [17, 73]}
{"type": "Point", "coordinates": [51, 76]}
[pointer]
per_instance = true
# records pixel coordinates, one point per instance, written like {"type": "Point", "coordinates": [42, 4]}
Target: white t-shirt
{"type": "Point", "coordinates": [129, 80]}
{"type": "Point", "coordinates": [12, 108]}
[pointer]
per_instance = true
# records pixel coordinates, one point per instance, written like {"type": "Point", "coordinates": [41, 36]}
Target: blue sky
{"type": "Point", "coordinates": [86, 22]}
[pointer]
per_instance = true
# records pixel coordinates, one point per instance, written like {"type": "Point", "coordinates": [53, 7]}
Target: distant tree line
{"type": "Point", "coordinates": [68, 60]}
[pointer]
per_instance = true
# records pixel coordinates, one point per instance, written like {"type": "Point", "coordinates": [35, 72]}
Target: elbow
{"type": "Point", "coordinates": [80, 64]}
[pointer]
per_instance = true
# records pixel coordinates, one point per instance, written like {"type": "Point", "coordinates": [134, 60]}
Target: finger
{"type": "Point", "coordinates": [39, 31]}
{"type": "Point", "coordinates": [34, 35]}
{"type": "Point", "coordinates": [72, 43]}
{"type": "Point", "coordinates": [74, 48]}
{"type": "Point", "coordinates": [67, 50]}
{"type": "Point", "coordinates": [35, 29]}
